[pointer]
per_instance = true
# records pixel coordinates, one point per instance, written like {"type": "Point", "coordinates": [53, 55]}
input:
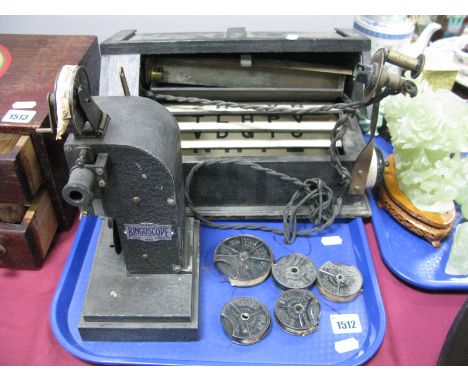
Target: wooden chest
{"type": "Point", "coordinates": [33, 169]}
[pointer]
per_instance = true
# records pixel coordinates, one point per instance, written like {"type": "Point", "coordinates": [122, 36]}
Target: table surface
{"type": "Point", "coordinates": [417, 320]}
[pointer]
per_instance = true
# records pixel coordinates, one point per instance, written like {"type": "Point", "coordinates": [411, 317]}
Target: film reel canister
{"type": "Point", "coordinates": [297, 312]}
{"type": "Point", "coordinates": [294, 271]}
{"type": "Point", "coordinates": [245, 320]}
{"type": "Point", "coordinates": [245, 260]}
{"type": "Point", "coordinates": [339, 282]}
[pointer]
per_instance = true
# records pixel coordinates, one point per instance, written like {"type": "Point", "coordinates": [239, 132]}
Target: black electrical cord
{"type": "Point", "coordinates": [313, 193]}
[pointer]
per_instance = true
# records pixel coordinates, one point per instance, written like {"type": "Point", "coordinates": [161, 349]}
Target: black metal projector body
{"type": "Point", "coordinates": [247, 67]}
{"type": "Point", "coordinates": [144, 281]}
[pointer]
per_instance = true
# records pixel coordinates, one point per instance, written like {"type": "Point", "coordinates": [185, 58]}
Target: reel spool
{"type": "Point", "coordinates": [245, 260]}
{"type": "Point", "coordinates": [72, 102]}
{"type": "Point", "coordinates": [377, 76]}
{"type": "Point", "coordinates": [339, 282]}
{"type": "Point", "coordinates": [297, 312]}
{"type": "Point", "coordinates": [245, 320]}
{"type": "Point", "coordinates": [295, 271]}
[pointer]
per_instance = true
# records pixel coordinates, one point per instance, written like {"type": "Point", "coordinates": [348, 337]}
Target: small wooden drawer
{"type": "Point", "coordinates": [25, 245]}
{"type": "Point", "coordinates": [20, 174]}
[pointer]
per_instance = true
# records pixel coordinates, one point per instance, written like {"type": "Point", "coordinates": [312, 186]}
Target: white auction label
{"type": "Point", "coordinates": [19, 116]}
{"type": "Point", "coordinates": [332, 240]}
{"type": "Point", "coordinates": [345, 323]}
{"type": "Point", "coordinates": [24, 105]}
{"type": "Point", "coordinates": [346, 345]}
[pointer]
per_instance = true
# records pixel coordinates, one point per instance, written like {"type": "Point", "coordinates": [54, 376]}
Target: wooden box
{"type": "Point", "coordinates": [33, 168]}
{"type": "Point", "coordinates": [20, 174]}
{"type": "Point", "coordinates": [25, 245]}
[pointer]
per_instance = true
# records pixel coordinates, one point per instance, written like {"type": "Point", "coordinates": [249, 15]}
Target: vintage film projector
{"type": "Point", "coordinates": [130, 156]}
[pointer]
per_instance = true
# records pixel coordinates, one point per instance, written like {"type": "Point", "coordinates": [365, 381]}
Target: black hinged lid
{"type": "Point", "coordinates": [234, 40]}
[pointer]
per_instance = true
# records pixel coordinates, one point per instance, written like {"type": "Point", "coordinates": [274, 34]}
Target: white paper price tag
{"type": "Point", "coordinates": [18, 116]}
{"type": "Point", "coordinates": [24, 105]}
{"type": "Point", "coordinates": [347, 345]}
{"type": "Point", "coordinates": [332, 240]}
{"type": "Point", "coordinates": [345, 323]}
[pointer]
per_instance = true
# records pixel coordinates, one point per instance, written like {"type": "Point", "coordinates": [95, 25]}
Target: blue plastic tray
{"type": "Point", "coordinates": [410, 257]}
{"type": "Point", "coordinates": [214, 347]}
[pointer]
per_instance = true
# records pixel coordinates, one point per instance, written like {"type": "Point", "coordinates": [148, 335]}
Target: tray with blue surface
{"type": "Point", "coordinates": [349, 343]}
{"type": "Point", "coordinates": [410, 257]}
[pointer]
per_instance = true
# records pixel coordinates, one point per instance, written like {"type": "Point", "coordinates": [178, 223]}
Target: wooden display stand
{"type": "Point", "coordinates": [432, 226]}
{"type": "Point", "coordinates": [33, 169]}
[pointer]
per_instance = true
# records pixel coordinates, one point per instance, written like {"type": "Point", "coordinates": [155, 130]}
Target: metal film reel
{"type": "Point", "coordinates": [245, 320]}
{"type": "Point", "coordinates": [245, 260]}
{"type": "Point", "coordinates": [339, 282]}
{"type": "Point", "coordinates": [297, 312]}
{"type": "Point", "coordinates": [295, 271]}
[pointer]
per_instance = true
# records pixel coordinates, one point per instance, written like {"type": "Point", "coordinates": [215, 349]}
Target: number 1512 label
{"type": "Point", "coordinates": [345, 323]}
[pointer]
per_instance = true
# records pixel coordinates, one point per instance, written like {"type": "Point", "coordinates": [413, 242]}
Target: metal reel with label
{"type": "Point", "coordinates": [245, 320]}
{"type": "Point", "coordinates": [339, 282]}
{"type": "Point", "coordinates": [295, 271]}
{"type": "Point", "coordinates": [297, 312]}
{"type": "Point", "coordinates": [245, 260]}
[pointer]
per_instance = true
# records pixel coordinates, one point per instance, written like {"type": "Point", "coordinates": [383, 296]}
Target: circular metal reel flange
{"type": "Point", "coordinates": [245, 260]}
{"type": "Point", "coordinates": [377, 62]}
{"type": "Point", "coordinates": [297, 312]}
{"type": "Point", "coordinates": [339, 282]}
{"type": "Point", "coordinates": [64, 94]}
{"type": "Point", "coordinates": [376, 169]}
{"type": "Point", "coordinates": [245, 320]}
{"type": "Point", "coordinates": [419, 69]}
{"type": "Point", "coordinates": [80, 80]}
{"type": "Point", "coordinates": [73, 103]}
{"type": "Point", "coordinates": [294, 271]}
